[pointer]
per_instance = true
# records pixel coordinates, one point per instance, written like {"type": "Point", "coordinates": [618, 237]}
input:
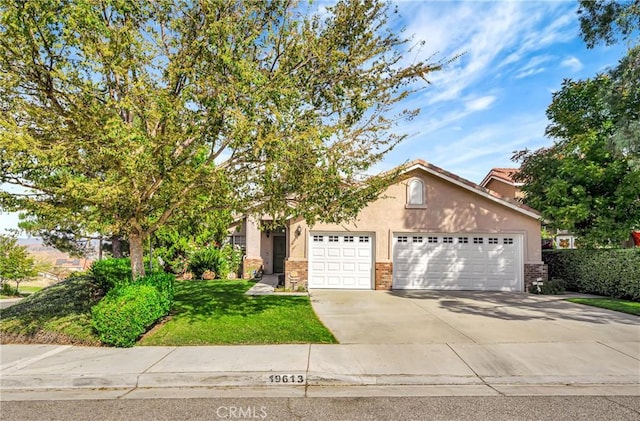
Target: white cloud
{"type": "Point", "coordinates": [529, 72]}
{"type": "Point", "coordinates": [572, 63]}
{"type": "Point", "coordinates": [479, 104]}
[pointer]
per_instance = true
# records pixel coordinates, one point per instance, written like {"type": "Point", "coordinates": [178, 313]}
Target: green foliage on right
{"type": "Point", "coordinates": [128, 310]}
{"type": "Point", "coordinates": [221, 261]}
{"type": "Point", "coordinates": [608, 272]}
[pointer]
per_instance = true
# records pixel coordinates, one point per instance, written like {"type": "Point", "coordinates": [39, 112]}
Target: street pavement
{"type": "Point", "coordinates": [468, 408]}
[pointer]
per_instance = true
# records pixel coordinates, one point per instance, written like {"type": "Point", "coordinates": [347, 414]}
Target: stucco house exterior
{"type": "Point", "coordinates": [430, 229]}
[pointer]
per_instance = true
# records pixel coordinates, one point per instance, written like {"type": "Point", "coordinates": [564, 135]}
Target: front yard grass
{"type": "Point", "coordinates": [217, 312]}
{"type": "Point", "coordinates": [625, 306]}
{"type": "Point", "coordinates": [59, 314]}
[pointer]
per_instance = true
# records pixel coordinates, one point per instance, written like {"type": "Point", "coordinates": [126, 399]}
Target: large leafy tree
{"type": "Point", "coordinates": [127, 113]}
{"type": "Point", "coordinates": [581, 183]}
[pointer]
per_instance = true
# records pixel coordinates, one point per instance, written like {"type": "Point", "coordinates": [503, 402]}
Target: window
{"type": "Point", "coordinates": [433, 240]}
{"type": "Point", "coordinates": [402, 239]}
{"type": "Point", "coordinates": [463, 240]}
{"type": "Point", "coordinates": [477, 240]}
{"type": "Point", "coordinates": [333, 238]}
{"type": "Point", "coordinates": [507, 241]}
{"type": "Point", "coordinates": [447, 240]}
{"type": "Point", "coordinates": [417, 239]}
{"type": "Point", "coordinates": [238, 240]}
{"type": "Point", "coordinates": [415, 192]}
{"type": "Point", "coordinates": [493, 241]}
{"type": "Point", "coordinates": [348, 239]}
{"type": "Point", "coordinates": [363, 239]}
{"type": "Point", "coordinates": [317, 239]}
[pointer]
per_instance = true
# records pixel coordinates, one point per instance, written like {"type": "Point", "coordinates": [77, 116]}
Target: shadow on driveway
{"type": "Point", "coordinates": [517, 306]}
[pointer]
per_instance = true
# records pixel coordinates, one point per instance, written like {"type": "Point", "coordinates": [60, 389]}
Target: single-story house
{"type": "Point", "coordinates": [430, 229]}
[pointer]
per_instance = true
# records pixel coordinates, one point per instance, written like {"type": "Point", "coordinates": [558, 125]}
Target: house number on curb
{"type": "Point", "coordinates": [286, 378]}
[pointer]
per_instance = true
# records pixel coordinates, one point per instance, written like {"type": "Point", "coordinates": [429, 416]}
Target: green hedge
{"type": "Point", "coordinates": [128, 310]}
{"type": "Point", "coordinates": [608, 272]}
{"type": "Point", "coordinates": [109, 273]}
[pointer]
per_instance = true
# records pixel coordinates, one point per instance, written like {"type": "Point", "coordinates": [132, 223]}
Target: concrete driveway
{"type": "Point", "coordinates": [426, 317]}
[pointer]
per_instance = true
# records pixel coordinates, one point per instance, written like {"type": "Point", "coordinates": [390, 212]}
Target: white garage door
{"type": "Point", "coordinates": [340, 261]}
{"type": "Point", "coordinates": [482, 262]}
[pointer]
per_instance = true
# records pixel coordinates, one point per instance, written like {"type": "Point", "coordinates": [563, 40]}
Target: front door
{"type": "Point", "coordinates": [279, 253]}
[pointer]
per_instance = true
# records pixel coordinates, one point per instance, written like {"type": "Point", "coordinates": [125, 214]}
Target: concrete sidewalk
{"type": "Point", "coordinates": [53, 372]}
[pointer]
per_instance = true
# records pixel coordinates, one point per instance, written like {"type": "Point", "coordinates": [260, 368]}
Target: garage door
{"type": "Point", "coordinates": [482, 262]}
{"type": "Point", "coordinates": [340, 261]}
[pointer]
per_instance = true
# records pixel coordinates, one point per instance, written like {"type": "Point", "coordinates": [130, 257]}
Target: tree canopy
{"type": "Point", "coordinates": [609, 21]}
{"type": "Point", "coordinates": [116, 116]}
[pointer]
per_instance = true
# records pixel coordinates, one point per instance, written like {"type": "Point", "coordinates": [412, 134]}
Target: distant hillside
{"type": "Point", "coordinates": [58, 260]}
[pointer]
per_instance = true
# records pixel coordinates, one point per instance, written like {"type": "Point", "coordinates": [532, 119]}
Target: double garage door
{"type": "Point", "coordinates": [484, 262]}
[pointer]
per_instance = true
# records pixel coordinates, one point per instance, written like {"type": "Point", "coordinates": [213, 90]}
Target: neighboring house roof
{"type": "Point", "coordinates": [502, 174]}
{"type": "Point", "coordinates": [471, 186]}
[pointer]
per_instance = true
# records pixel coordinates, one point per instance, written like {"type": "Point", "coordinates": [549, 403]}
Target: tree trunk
{"type": "Point", "coordinates": [116, 245]}
{"type": "Point", "coordinates": [136, 253]}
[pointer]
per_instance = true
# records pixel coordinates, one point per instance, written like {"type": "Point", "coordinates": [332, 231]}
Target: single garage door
{"type": "Point", "coordinates": [340, 261]}
{"type": "Point", "coordinates": [481, 262]}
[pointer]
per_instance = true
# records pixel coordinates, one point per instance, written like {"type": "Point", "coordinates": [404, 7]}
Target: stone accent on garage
{"type": "Point", "coordinates": [533, 271]}
{"type": "Point", "coordinates": [251, 267]}
{"type": "Point", "coordinates": [296, 270]}
{"type": "Point", "coordinates": [384, 276]}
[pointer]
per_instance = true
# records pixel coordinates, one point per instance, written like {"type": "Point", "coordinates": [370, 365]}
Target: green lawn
{"type": "Point", "coordinates": [631, 307]}
{"type": "Point", "coordinates": [218, 312]}
{"type": "Point", "coordinates": [58, 314]}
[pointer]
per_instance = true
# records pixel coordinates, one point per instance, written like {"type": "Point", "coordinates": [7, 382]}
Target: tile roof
{"type": "Point", "coordinates": [504, 174]}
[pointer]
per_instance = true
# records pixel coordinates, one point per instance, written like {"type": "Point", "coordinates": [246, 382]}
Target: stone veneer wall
{"type": "Point", "coordinates": [299, 266]}
{"type": "Point", "coordinates": [534, 271]}
{"type": "Point", "coordinates": [384, 275]}
{"type": "Point", "coordinates": [250, 267]}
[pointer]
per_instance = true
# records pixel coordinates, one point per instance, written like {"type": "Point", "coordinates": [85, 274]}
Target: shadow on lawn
{"type": "Point", "coordinates": [198, 300]}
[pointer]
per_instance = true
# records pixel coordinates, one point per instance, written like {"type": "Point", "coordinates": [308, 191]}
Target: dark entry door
{"type": "Point", "coordinates": [279, 253]}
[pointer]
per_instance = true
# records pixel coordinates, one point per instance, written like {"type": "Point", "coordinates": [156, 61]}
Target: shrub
{"type": "Point", "coordinates": [608, 272]}
{"type": "Point", "coordinates": [110, 273]}
{"type": "Point", "coordinates": [220, 261]}
{"type": "Point", "coordinates": [164, 283]}
{"type": "Point", "coordinates": [129, 309]}
{"type": "Point", "coordinates": [126, 312]}
{"type": "Point", "coordinates": [233, 256]}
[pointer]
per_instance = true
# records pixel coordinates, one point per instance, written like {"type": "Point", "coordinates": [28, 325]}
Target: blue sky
{"type": "Point", "coordinates": [492, 100]}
